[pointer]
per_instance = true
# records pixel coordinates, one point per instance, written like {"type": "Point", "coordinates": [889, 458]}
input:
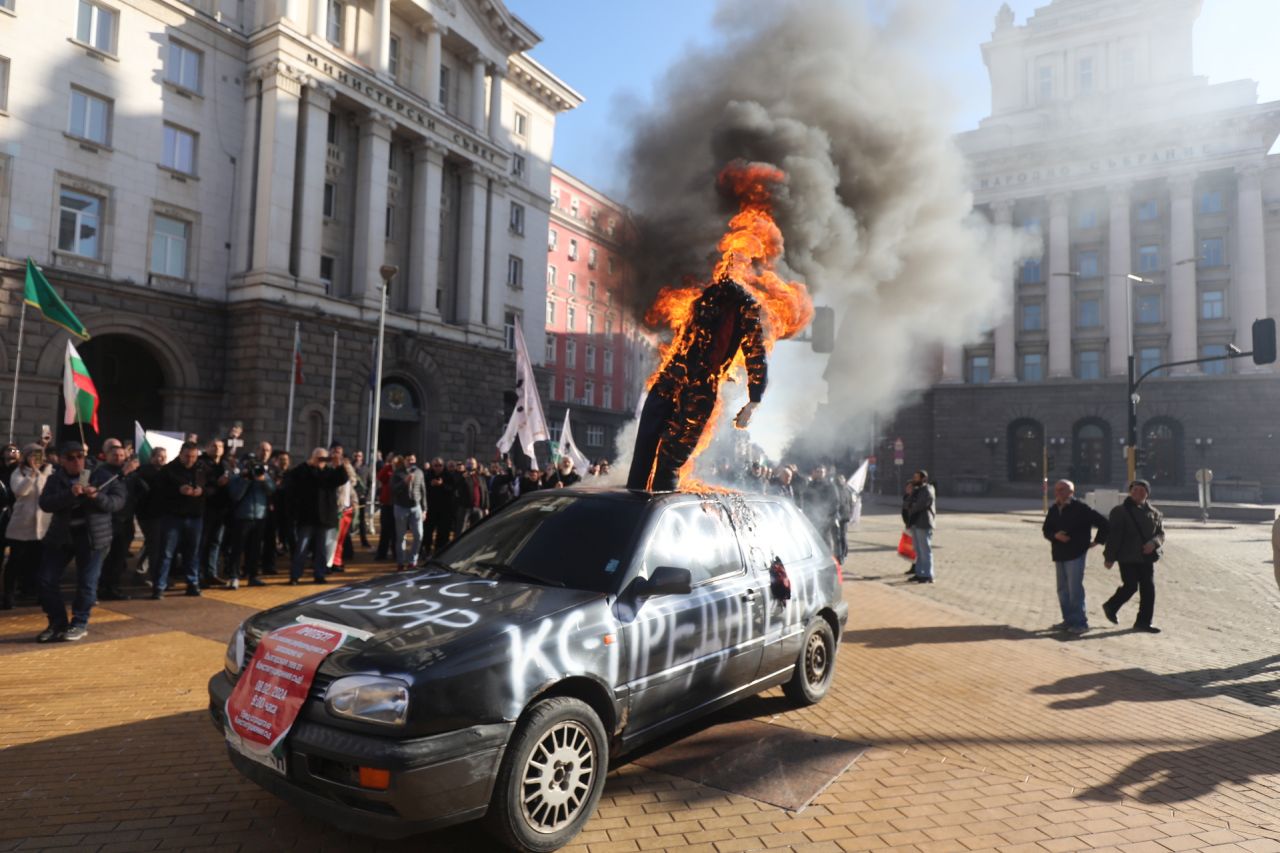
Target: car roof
{"type": "Point", "coordinates": [620, 493]}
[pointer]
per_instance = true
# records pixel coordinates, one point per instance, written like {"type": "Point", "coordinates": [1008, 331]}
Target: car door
{"type": "Point", "coordinates": [684, 652]}
{"type": "Point", "coordinates": [774, 530]}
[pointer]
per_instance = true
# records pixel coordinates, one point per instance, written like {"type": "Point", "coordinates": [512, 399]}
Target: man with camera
{"type": "Point", "coordinates": [249, 490]}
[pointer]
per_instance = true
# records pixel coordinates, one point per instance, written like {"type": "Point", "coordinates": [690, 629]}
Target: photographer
{"type": "Point", "coordinates": [27, 525]}
{"type": "Point", "coordinates": [250, 490]}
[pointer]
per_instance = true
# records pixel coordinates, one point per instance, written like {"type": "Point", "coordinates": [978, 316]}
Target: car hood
{"type": "Point", "coordinates": [400, 623]}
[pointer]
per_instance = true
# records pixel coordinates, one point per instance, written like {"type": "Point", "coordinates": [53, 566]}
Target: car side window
{"type": "Point", "coordinates": [782, 531]}
{"type": "Point", "coordinates": [697, 537]}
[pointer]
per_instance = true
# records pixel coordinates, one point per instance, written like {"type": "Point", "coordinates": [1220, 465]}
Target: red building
{"type": "Point", "coordinates": [593, 351]}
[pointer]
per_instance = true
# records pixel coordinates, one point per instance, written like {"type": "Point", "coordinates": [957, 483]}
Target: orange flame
{"type": "Point", "coordinates": [749, 252]}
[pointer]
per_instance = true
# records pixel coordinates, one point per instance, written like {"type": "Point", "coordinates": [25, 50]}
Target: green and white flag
{"type": "Point", "coordinates": [147, 440]}
{"type": "Point", "coordinates": [40, 294]}
{"type": "Point", "coordinates": [79, 391]}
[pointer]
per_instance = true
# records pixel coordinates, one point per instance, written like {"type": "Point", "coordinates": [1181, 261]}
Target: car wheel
{"type": "Point", "coordinates": [551, 777]}
{"type": "Point", "coordinates": [816, 665]}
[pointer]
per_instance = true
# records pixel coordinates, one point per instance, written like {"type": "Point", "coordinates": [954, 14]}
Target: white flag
{"type": "Point", "coordinates": [858, 480]}
{"type": "Point", "coordinates": [147, 440]}
{"type": "Point", "coordinates": [527, 421]}
{"type": "Point", "coordinates": [570, 449]}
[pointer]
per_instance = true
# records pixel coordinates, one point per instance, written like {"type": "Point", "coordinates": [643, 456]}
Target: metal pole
{"type": "Point", "coordinates": [377, 395]}
{"type": "Point", "coordinates": [293, 384]}
{"type": "Point", "coordinates": [17, 367]}
{"type": "Point", "coordinates": [1131, 449]}
{"type": "Point", "coordinates": [333, 385]}
{"type": "Point", "coordinates": [1044, 472]}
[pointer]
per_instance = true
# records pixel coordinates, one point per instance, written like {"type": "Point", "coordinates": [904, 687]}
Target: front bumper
{"type": "Point", "coordinates": [435, 781]}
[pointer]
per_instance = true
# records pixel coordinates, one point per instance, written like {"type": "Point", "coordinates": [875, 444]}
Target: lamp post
{"type": "Point", "coordinates": [388, 272]}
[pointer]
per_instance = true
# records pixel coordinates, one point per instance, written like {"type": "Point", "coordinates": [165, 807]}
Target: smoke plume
{"type": "Point", "coordinates": [876, 211]}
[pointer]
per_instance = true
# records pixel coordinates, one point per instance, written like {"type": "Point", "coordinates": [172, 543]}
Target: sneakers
{"type": "Point", "coordinates": [194, 591]}
{"type": "Point", "coordinates": [74, 633]}
{"type": "Point", "coordinates": [235, 583]}
{"type": "Point", "coordinates": [1110, 614]}
{"type": "Point", "coordinates": [256, 582]}
{"type": "Point", "coordinates": [157, 595]}
{"type": "Point", "coordinates": [1077, 629]}
{"type": "Point", "coordinates": [48, 635]}
{"type": "Point", "coordinates": [1146, 629]}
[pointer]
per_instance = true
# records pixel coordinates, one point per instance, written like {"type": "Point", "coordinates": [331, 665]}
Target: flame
{"type": "Point", "coordinates": [749, 253]}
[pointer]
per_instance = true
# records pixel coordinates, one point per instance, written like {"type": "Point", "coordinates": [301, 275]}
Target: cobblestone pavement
{"type": "Point", "coordinates": [984, 733]}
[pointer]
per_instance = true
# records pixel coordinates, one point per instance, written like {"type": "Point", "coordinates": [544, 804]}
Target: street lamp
{"type": "Point", "coordinates": [387, 272]}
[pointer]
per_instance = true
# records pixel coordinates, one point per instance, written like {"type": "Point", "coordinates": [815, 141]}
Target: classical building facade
{"type": "Point", "coordinates": [593, 348]}
{"type": "Point", "coordinates": [195, 178]}
{"type": "Point", "coordinates": [1158, 205]}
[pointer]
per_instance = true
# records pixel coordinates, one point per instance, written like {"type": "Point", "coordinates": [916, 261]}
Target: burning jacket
{"type": "Point", "coordinates": [724, 319]}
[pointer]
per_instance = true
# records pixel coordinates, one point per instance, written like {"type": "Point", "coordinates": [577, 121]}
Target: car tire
{"type": "Point", "coordinates": [543, 809]}
{"type": "Point", "coordinates": [815, 666]}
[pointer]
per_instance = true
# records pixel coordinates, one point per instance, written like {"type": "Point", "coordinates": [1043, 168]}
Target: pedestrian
{"type": "Point", "coordinates": [504, 486]}
{"type": "Point", "coordinates": [182, 493]}
{"type": "Point", "coordinates": [473, 496]}
{"type": "Point", "coordinates": [81, 503]}
{"type": "Point", "coordinates": [441, 500]}
{"type": "Point", "coordinates": [249, 490]}
{"type": "Point", "coordinates": [313, 499]}
{"type": "Point", "coordinates": [277, 532]}
{"type": "Point", "coordinates": [111, 583]}
{"type": "Point", "coordinates": [149, 510]}
{"type": "Point", "coordinates": [530, 481]}
{"type": "Point", "coordinates": [1069, 527]}
{"type": "Point", "coordinates": [562, 476]}
{"type": "Point", "coordinates": [386, 510]}
{"type": "Point", "coordinates": [820, 503]}
{"type": "Point", "coordinates": [27, 525]}
{"type": "Point", "coordinates": [409, 493]}
{"type": "Point", "coordinates": [362, 497]}
{"type": "Point", "coordinates": [343, 549]}
{"type": "Point", "coordinates": [921, 517]}
{"type": "Point", "coordinates": [1134, 541]}
{"type": "Point", "coordinates": [217, 475]}
{"type": "Point", "coordinates": [844, 512]}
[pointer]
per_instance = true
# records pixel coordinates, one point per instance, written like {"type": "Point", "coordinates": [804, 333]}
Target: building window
{"type": "Point", "coordinates": [551, 275]}
{"type": "Point", "coordinates": [595, 435]}
{"type": "Point", "coordinates": [1211, 201]}
{"type": "Point", "coordinates": [1147, 306]}
{"type": "Point", "coordinates": [96, 26]}
{"type": "Point", "coordinates": [555, 196]}
{"type": "Point", "coordinates": [608, 362]}
{"type": "Point", "coordinates": [509, 330]}
{"type": "Point", "coordinates": [572, 319]}
{"type": "Point", "coordinates": [517, 218]}
{"type": "Point", "coordinates": [568, 389]}
{"type": "Point", "coordinates": [1087, 218]}
{"type": "Point", "coordinates": [446, 78]}
{"type": "Point", "coordinates": [1032, 317]}
{"type": "Point", "coordinates": [393, 58]}
{"type": "Point", "coordinates": [573, 250]}
{"type": "Point", "coordinates": [1214, 351]}
{"type": "Point", "coordinates": [1148, 258]}
{"type": "Point", "coordinates": [607, 396]}
{"type": "Point", "coordinates": [608, 323]}
{"type": "Point", "coordinates": [515, 272]}
{"type": "Point", "coordinates": [611, 265]}
{"type": "Point", "coordinates": [1089, 312]}
{"type": "Point", "coordinates": [1032, 367]}
{"type": "Point", "coordinates": [611, 226]}
{"type": "Point", "coordinates": [393, 159]}
{"type": "Point", "coordinates": [591, 357]}
{"type": "Point", "coordinates": [573, 283]}
{"type": "Point", "coordinates": [337, 11]}
{"type": "Point", "coordinates": [169, 247]}
{"type": "Point", "coordinates": [591, 258]}
{"type": "Point", "coordinates": [1089, 364]}
{"type": "Point", "coordinates": [1088, 267]}
{"type": "Point", "coordinates": [517, 165]}
{"type": "Point", "coordinates": [980, 369]}
{"type": "Point", "coordinates": [1211, 254]}
{"type": "Point", "coordinates": [571, 354]}
{"type": "Point", "coordinates": [573, 206]}
{"type": "Point", "coordinates": [179, 150]}
{"type": "Point", "coordinates": [182, 66]}
{"type": "Point", "coordinates": [331, 130]}
{"type": "Point", "coordinates": [1030, 272]}
{"type": "Point", "coordinates": [1148, 358]}
{"type": "Point", "coordinates": [551, 312]}
{"type": "Point", "coordinates": [520, 124]}
{"type": "Point", "coordinates": [1031, 223]}
{"type": "Point", "coordinates": [551, 349]}
{"type": "Point", "coordinates": [1213, 305]}
{"type": "Point", "coordinates": [1084, 75]}
{"type": "Point", "coordinates": [326, 273]}
{"type": "Point", "coordinates": [330, 200]}
{"type": "Point", "coordinates": [1045, 82]}
{"type": "Point", "coordinates": [4, 84]}
{"type": "Point", "coordinates": [90, 117]}
{"type": "Point", "coordinates": [79, 223]}
{"type": "Point", "coordinates": [591, 324]}
{"type": "Point", "coordinates": [1148, 210]}
{"type": "Point", "coordinates": [588, 393]}
{"type": "Point", "coordinates": [552, 237]}
{"type": "Point", "coordinates": [591, 290]}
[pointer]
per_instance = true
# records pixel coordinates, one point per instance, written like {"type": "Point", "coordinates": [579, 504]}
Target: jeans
{"type": "Point", "coordinates": [1139, 578]}
{"type": "Point", "coordinates": [181, 534]}
{"type": "Point", "coordinates": [386, 529]}
{"type": "Point", "coordinates": [88, 567]}
{"type": "Point", "coordinates": [1071, 591]}
{"type": "Point", "coordinates": [922, 539]}
{"type": "Point", "coordinates": [317, 540]}
{"type": "Point", "coordinates": [215, 527]}
{"type": "Point", "coordinates": [114, 567]}
{"type": "Point", "coordinates": [408, 520]}
{"type": "Point", "coordinates": [246, 542]}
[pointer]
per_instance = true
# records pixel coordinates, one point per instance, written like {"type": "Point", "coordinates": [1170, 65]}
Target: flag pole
{"type": "Point", "coordinates": [17, 368]}
{"type": "Point", "coordinates": [333, 384]}
{"type": "Point", "coordinates": [293, 384]}
{"type": "Point", "coordinates": [387, 272]}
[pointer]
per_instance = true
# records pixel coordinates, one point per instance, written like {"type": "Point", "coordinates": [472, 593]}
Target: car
{"type": "Point", "coordinates": [498, 681]}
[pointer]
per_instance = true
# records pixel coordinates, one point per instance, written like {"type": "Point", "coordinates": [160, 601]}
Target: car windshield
{"type": "Point", "coordinates": [577, 542]}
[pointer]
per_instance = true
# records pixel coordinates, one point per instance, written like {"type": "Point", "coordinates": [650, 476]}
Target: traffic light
{"type": "Point", "coordinates": [1264, 341]}
{"type": "Point", "coordinates": [823, 329]}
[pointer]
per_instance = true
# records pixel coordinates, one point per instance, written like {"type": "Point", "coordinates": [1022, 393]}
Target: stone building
{"type": "Point", "coordinates": [197, 177]}
{"type": "Point", "coordinates": [1159, 208]}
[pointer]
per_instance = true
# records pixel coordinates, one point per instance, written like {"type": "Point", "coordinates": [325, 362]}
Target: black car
{"type": "Point", "coordinates": [566, 629]}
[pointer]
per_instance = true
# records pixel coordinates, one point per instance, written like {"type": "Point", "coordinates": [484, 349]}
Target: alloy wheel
{"type": "Point", "coordinates": [557, 777]}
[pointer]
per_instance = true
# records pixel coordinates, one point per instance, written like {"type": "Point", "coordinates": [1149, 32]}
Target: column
{"type": "Point", "coordinates": [1181, 299]}
{"type": "Point", "coordinates": [382, 37]}
{"type": "Point", "coordinates": [319, 19]}
{"type": "Point", "coordinates": [495, 104]}
{"type": "Point", "coordinates": [1248, 269]}
{"type": "Point", "coordinates": [952, 364]}
{"type": "Point", "coordinates": [370, 236]}
{"type": "Point", "coordinates": [1059, 286]}
{"type": "Point", "coordinates": [277, 149]}
{"type": "Point", "coordinates": [427, 77]}
{"type": "Point", "coordinates": [497, 249]}
{"type": "Point", "coordinates": [245, 177]}
{"type": "Point", "coordinates": [315, 154]}
{"type": "Point", "coordinates": [477, 93]}
{"type": "Point", "coordinates": [424, 247]}
{"type": "Point", "coordinates": [1005, 368]}
{"type": "Point", "coordinates": [1119, 287]}
{"type": "Point", "coordinates": [469, 300]}
{"type": "Point", "coordinates": [293, 10]}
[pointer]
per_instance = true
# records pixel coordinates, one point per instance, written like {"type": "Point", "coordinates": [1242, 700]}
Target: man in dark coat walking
{"type": "Point", "coordinates": [313, 499]}
{"type": "Point", "coordinates": [1137, 534]}
{"type": "Point", "coordinates": [1068, 526]}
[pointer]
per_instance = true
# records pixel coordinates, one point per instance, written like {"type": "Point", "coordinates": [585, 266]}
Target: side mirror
{"type": "Point", "coordinates": [668, 580]}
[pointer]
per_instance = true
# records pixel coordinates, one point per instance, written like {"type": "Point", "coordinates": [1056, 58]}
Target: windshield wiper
{"type": "Point", "coordinates": [504, 569]}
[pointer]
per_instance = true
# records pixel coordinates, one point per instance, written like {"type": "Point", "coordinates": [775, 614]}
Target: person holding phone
{"type": "Point", "coordinates": [27, 525]}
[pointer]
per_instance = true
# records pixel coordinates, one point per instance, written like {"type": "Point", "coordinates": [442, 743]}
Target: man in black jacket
{"type": "Point", "coordinates": [82, 504]}
{"type": "Point", "coordinates": [117, 461]}
{"type": "Point", "coordinates": [182, 493]}
{"type": "Point", "coordinates": [1069, 527]}
{"type": "Point", "coordinates": [313, 501]}
{"type": "Point", "coordinates": [1137, 534]}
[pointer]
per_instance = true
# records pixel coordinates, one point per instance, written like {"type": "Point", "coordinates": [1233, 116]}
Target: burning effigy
{"type": "Point", "coordinates": [721, 328]}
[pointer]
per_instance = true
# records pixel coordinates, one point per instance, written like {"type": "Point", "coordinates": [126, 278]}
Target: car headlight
{"type": "Point", "coordinates": [235, 653]}
{"type": "Point", "coordinates": [369, 698]}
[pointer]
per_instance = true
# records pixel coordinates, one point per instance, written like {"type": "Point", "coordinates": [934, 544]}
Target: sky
{"type": "Point", "coordinates": [613, 52]}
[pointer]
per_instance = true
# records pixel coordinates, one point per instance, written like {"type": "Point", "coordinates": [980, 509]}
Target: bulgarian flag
{"type": "Point", "coordinates": [79, 391]}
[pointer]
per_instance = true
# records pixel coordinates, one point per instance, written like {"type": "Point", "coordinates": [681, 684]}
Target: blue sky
{"type": "Point", "coordinates": [614, 51]}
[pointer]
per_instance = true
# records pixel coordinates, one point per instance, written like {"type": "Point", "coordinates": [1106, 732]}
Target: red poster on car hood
{"type": "Point", "coordinates": [267, 698]}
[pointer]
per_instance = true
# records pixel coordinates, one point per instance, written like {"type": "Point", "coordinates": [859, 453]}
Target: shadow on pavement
{"type": "Point", "coordinates": [887, 638]}
{"type": "Point", "coordinates": [1240, 681]}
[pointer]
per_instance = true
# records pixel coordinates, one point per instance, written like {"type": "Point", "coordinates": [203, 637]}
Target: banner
{"type": "Point", "coordinates": [528, 423]}
{"type": "Point", "coordinates": [568, 448]}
